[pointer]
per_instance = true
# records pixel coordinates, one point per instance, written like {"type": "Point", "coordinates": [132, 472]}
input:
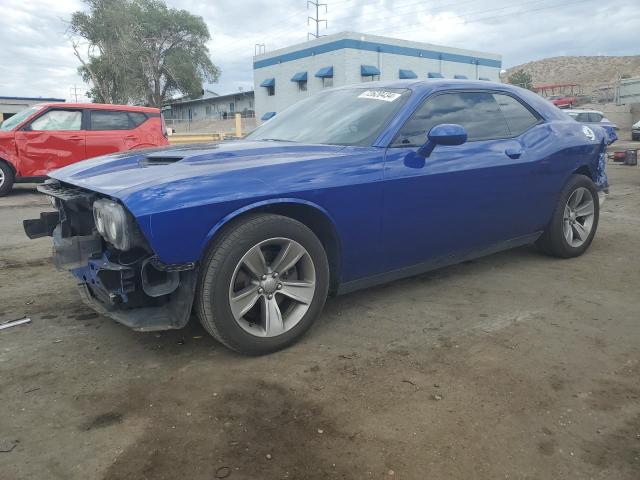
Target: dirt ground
{"type": "Point", "coordinates": [515, 366]}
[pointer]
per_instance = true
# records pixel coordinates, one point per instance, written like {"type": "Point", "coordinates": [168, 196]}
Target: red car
{"type": "Point", "coordinates": [48, 136]}
{"type": "Point", "coordinates": [563, 101]}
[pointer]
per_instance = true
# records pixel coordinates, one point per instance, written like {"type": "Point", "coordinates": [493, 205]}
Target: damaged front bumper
{"type": "Point", "coordinates": [134, 287]}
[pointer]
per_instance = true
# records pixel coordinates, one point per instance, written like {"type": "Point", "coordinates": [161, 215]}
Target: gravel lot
{"type": "Point", "coordinates": [514, 366]}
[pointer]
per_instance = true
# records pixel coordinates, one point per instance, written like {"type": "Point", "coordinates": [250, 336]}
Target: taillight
{"type": "Point", "coordinates": [165, 134]}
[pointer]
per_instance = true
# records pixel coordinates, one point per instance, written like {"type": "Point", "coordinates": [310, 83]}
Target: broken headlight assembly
{"type": "Point", "coordinates": [114, 224]}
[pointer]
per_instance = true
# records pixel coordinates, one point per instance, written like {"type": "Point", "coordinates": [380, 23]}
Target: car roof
{"type": "Point", "coordinates": [583, 110]}
{"type": "Point", "coordinates": [100, 106]}
{"type": "Point", "coordinates": [425, 87]}
{"type": "Point", "coordinates": [435, 83]}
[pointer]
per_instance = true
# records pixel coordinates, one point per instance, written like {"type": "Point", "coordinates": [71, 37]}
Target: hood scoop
{"type": "Point", "coordinates": [164, 158]}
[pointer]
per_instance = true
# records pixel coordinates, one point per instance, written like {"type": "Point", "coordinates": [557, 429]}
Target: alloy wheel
{"type": "Point", "coordinates": [579, 213]}
{"type": "Point", "coordinates": [272, 287]}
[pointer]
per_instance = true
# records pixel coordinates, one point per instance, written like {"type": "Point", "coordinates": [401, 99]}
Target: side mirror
{"type": "Point", "coordinates": [443, 134]}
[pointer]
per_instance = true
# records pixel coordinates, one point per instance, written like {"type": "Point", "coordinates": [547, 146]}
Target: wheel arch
{"type": "Point", "coordinates": [310, 214]}
{"type": "Point", "coordinates": [584, 170]}
{"type": "Point", "coordinates": [11, 165]}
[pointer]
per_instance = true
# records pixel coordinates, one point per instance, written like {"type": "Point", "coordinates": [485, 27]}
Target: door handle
{"type": "Point", "coordinates": [75, 137]}
{"type": "Point", "coordinates": [513, 152]}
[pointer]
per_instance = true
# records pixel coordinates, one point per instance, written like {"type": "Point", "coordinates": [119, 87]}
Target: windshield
{"type": "Point", "coordinates": [11, 122]}
{"type": "Point", "coordinates": [353, 116]}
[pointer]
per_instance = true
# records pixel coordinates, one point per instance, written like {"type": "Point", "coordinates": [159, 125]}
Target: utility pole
{"type": "Point", "coordinates": [317, 20]}
{"type": "Point", "coordinates": [75, 92]}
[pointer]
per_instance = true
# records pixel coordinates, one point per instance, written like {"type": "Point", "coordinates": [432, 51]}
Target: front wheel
{"type": "Point", "coordinates": [6, 178]}
{"type": "Point", "coordinates": [263, 283]}
{"type": "Point", "coordinates": [575, 219]}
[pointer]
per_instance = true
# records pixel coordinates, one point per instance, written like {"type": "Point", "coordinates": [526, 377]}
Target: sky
{"type": "Point", "coordinates": [37, 60]}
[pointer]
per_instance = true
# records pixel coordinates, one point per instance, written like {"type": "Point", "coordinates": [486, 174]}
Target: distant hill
{"type": "Point", "coordinates": [588, 72]}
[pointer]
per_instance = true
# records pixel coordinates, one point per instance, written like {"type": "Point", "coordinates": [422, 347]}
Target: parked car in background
{"type": "Point", "coordinates": [635, 131]}
{"type": "Point", "coordinates": [349, 188]}
{"type": "Point", "coordinates": [596, 119]}
{"type": "Point", "coordinates": [563, 101]}
{"type": "Point", "coordinates": [48, 136]}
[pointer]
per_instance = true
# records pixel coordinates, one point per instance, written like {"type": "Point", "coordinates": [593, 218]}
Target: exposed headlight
{"type": "Point", "coordinates": [112, 222]}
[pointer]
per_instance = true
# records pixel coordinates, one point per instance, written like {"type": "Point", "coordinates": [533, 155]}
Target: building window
{"type": "Point", "coordinates": [207, 110]}
{"type": "Point", "coordinates": [326, 74]}
{"type": "Point", "coordinates": [232, 107]}
{"type": "Point", "coordinates": [369, 73]}
{"type": "Point", "coordinates": [270, 85]}
{"type": "Point", "coordinates": [302, 86]}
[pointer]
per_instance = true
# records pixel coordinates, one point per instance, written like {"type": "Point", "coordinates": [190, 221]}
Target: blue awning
{"type": "Point", "coordinates": [269, 82]}
{"type": "Point", "coordinates": [460, 77]}
{"type": "Point", "coordinates": [407, 74]}
{"type": "Point", "coordinates": [369, 70]}
{"type": "Point", "coordinates": [435, 75]}
{"type": "Point", "coordinates": [299, 77]}
{"type": "Point", "coordinates": [267, 116]}
{"type": "Point", "coordinates": [326, 72]}
{"type": "Point", "coordinates": [484, 78]}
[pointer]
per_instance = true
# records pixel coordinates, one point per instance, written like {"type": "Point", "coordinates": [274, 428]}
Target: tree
{"type": "Point", "coordinates": [521, 79]}
{"type": "Point", "coordinates": [140, 51]}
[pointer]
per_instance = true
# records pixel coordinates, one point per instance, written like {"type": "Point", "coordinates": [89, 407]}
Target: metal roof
{"type": "Point", "coordinates": [37, 99]}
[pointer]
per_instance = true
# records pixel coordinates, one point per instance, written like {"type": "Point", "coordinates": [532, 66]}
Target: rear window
{"type": "Point", "coordinates": [116, 120]}
{"type": "Point", "coordinates": [519, 118]}
{"type": "Point", "coordinates": [137, 118]}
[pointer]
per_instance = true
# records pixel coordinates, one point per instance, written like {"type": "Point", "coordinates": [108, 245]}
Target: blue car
{"type": "Point", "coordinates": [350, 188]}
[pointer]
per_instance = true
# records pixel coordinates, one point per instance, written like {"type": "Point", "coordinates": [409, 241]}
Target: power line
{"type": "Point", "coordinates": [493, 17]}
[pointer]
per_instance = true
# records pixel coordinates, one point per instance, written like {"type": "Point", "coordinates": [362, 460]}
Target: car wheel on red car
{"type": "Point", "coordinates": [6, 178]}
{"type": "Point", "coordinates": [262, 284]}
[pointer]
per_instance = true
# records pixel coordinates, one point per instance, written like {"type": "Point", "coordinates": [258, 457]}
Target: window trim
{"type": "Point", "coordinates": [131, 126]}
{"type": "Point", "coordinates": [394, 140]}
{"type": "Point", "coordinates": [27, 126]}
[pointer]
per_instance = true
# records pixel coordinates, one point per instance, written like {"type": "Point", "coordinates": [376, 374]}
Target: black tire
{"type": "Point", "coordinates": [216, 273]}
{"type": "Point", "coordinates": [553, 241]}
{"type": "Point", "coordinates": [9, 178]}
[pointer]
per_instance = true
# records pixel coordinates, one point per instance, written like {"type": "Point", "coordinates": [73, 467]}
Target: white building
{"type": "Point", "coordinates": [209, 106]}
{"type": "Point", "coordinates": [284, 76]}
{"type": "Point", "coordinates": [9, 106]}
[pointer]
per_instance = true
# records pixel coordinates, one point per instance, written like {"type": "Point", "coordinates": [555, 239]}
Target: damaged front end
{"type": "Point", "coordinates": [100, 243]}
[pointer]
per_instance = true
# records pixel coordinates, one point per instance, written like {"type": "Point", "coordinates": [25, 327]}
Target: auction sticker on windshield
{"type": "Point", "coordinates": [383, 95]}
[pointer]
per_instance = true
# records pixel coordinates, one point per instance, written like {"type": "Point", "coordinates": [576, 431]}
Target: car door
{"type": "Point", "coordinates": [461, 199]}
{"type": "Point", "coordinates": [52, 140]}
{"type": "Point", "coordinates": [111, 131]}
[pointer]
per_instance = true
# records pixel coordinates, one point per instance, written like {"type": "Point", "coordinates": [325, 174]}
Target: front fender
{"type": "Point", "coordinates": [8, 153]}
{"type": "Point", "coordinates": [260, 205]}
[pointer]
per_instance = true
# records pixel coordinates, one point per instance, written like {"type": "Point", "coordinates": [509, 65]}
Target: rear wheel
{"type": "Point", "coordinates": [575, 219]}
{"type": "Point", "coordinates": [6, 178]}
{"type": "Point", "coordinates": [263, 284]}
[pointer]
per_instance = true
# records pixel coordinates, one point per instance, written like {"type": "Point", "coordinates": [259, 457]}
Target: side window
{"type": "Point", "coordinates": [138, 118]}
{"type": "Point", "coordinates": [477, 112]}
{"type": "Point", "coordinates": [58, 120]}
{"type": "Point", "coordinates": [595, 117]}
{"type": "Point", "coordinates": [519, 118]}
{"type": "Point", "coordinates": [109, 120]}
{"type": "Point", "coordinates": [582, 117]}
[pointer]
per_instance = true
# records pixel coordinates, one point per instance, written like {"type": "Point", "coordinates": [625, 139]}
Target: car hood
{"type": "Point", "coordinates": [132, 171]}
